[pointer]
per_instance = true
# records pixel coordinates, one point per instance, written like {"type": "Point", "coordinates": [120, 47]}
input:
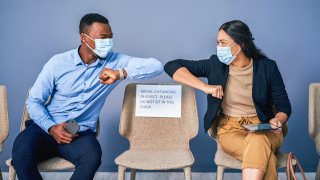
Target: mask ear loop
{"type": "Point", "coordinates": [91, 39]}
{"type": "Point", "coordinates": [238, 51]}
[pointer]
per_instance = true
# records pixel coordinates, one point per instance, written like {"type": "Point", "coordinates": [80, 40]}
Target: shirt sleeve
{"type": "Point", "coordinates": [39, 94]}
{"type": "Point", "coordinates": [279, 93]}
{"type": "Point", "coordinates": [142, 68]}
{"type": "Point", "coordinates": [199, 68]}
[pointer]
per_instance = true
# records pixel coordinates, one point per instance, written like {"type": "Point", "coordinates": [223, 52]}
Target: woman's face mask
{"type": "Point", "coordinates": [225, 55]}
{"type": "Point", "coordinates": [102, 46]}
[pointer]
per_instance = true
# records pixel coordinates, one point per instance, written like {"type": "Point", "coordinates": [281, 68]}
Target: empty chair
{"type": "Point", "coordinates": [4, 118]}
{"type": "Point", "coordinates": [158, 143]}
{"type": "Point", "coordinates": [52, 164]}
{"type": "Point", "coordinates": [314, 118]}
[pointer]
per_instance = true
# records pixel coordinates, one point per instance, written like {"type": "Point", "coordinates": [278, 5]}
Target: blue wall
{"type": "Point", "coordinates": [32, 32]}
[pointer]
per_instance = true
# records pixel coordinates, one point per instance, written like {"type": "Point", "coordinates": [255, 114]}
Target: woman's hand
{"type": "Point", "coordinates": [214, 90]}
{"type": "Point", "coordinates": [275, 123]}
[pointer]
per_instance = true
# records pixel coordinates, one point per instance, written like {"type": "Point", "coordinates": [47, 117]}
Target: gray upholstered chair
{"type": "Point", "coordinates": [157, 143]}
{"type": "Point", "coordinates": [314, 118]}
{"type": "Point", "coordinates": [226, 161]}
{"type": "Point", "coordinates": [52, 164]}
{"type": "Point", "coordinates": [4, 118]}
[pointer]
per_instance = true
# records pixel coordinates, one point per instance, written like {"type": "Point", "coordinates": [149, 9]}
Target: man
{"type": "Point", "coordinates": [79, 81]}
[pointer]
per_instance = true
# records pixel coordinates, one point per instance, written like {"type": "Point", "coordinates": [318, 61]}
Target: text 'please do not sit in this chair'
{"type": "Point", "coordinates": [158, 143]}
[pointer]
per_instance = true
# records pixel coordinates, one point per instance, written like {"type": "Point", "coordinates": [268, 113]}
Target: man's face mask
{"type": "Point", "coordinates": [103, 46]}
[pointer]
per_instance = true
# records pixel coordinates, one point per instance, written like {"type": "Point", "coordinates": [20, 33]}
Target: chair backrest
{"type": "Point", "coordinates": [4, 117]}
{"type": "Point", "coordinates": [159, 132]}
{"type": "Point", "coordinates": [26, 115]}
{"type": "Point", "coordinates": [213, 129]}
{"type": "Point", "coordinates": [314, 113]}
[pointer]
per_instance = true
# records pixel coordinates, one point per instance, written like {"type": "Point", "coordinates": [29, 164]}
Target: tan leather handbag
{"type": "Point", "coordinates": [291, 170]}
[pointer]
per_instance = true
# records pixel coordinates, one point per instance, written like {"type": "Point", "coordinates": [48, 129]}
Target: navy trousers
{"type": "Point", "coordinates": [34, 145]}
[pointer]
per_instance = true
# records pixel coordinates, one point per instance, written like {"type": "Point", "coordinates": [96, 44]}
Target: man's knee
{"type": "Point", "coordinates": [94, 158]}
{"type": "Point", "coordinates": [90, 159]}
{"type": "Point", "coordinates": [21, 152]}
{"type": "Point", "coordinates": [91, 154]}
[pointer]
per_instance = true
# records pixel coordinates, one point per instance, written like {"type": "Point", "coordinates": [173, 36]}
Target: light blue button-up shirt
{"type": "Point", "coordinates": [76, 89]}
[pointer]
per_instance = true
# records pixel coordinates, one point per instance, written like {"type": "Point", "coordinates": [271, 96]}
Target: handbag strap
{"type": "Point", "coordinates": [290, 169]}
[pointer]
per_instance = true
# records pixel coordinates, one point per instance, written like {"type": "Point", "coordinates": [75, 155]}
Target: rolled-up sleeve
{"type": "Point", "coordinates": [143, 68]}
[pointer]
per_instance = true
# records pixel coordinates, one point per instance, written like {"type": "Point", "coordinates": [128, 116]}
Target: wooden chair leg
{"type": "Point", "coordinates": [220, 172]}
{"type": "Point", "coordinates": [187, 173]}
{"type": "Point", "coordinates": [1, 175]}
{"type": "Point", "coordinates": [12, 173]}
{"type": "Point", "coordinates": [133, 174]}
{"type": "Point", "coordinates": [121, 172]}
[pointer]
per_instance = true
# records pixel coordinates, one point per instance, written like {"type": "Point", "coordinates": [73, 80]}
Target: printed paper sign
{"type": "Point", "coordinates": [158, 101]}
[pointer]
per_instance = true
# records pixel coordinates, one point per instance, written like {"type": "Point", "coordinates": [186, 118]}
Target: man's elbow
{"type": "Point", "coordinates": [158, 66]}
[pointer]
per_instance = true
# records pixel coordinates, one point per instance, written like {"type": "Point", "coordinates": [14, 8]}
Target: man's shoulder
{"type": "Point", "coordinates": [118, 56]}
{"type": "Point", "coordinates": [63, 56]}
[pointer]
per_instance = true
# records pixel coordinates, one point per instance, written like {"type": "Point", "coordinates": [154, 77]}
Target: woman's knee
{"type": "Point", "coordinates": [257, 142]}
{"type": "Point", "coordinates": [257, 138]}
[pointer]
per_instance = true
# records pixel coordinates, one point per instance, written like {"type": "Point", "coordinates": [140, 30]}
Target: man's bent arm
{"type": "Point", "coordinates": [143, 68]}
{"type": "Point", "coordinates": [38, 96]}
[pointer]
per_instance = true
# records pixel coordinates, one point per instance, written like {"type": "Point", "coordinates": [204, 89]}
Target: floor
{"type": "Point", "coordinates": [155, 176]}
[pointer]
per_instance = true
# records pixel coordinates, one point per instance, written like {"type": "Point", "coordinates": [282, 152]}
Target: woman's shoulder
{"type": "Point", "coordinates": [215, 61]}
{"type": "Point", "coordinates": [266, 61]}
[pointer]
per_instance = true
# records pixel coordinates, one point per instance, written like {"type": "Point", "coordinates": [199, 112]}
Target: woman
{"type": "Point", "coordinates": [243, 85]}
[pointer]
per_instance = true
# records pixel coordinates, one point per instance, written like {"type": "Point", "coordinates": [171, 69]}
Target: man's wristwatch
{"type": "Point", "coordinates": [121, 73]}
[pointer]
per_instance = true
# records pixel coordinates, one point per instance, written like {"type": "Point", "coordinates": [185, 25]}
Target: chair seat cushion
{"type": "Point", "coordinates": [52, 164]}
{"type": "Point", "coordinates": [226, 160]}
{"type": "Point", "coordinates": [155, 159]}
{"type": "Point", "coordinates": [282, 159]}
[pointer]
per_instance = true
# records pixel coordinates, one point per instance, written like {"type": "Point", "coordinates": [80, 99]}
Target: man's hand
{"type": "Point", "coordinates": [109, 76]}
{"type": "Point", "coordinates": [275, 124]}
{"type": "Point", "coordinates": [214, 90]}
{"type": "Point", "coordinates": [61, 135]}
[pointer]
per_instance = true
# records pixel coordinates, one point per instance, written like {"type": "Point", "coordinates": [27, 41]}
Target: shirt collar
{"type": "Point", "coordinates": [77, 59]}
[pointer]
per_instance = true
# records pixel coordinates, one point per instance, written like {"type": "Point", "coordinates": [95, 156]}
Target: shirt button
{"type": "Point", "coordinates": [72, 112]}
{"type": "Point", "coordinates": [148, 72]}
{"type": "Point", "coordinates": [84, 93]}
{"type": "Point", "coordinates": [85, 82]}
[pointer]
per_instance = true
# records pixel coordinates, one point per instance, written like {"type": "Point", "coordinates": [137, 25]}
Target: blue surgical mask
{"type": "Point", "coordinates": [224, 54]}
{"type": "Point", "coordinates": [103, 46]}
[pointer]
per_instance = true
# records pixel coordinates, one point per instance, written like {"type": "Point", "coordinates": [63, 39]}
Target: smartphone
{"type": "Point", "coordinates": [259, 127]}
{"type": "Point", "coordinates": [72, 127]}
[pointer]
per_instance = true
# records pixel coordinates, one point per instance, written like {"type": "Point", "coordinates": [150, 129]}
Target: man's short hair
{"type": "Point", "coordinates": [87, 20]}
